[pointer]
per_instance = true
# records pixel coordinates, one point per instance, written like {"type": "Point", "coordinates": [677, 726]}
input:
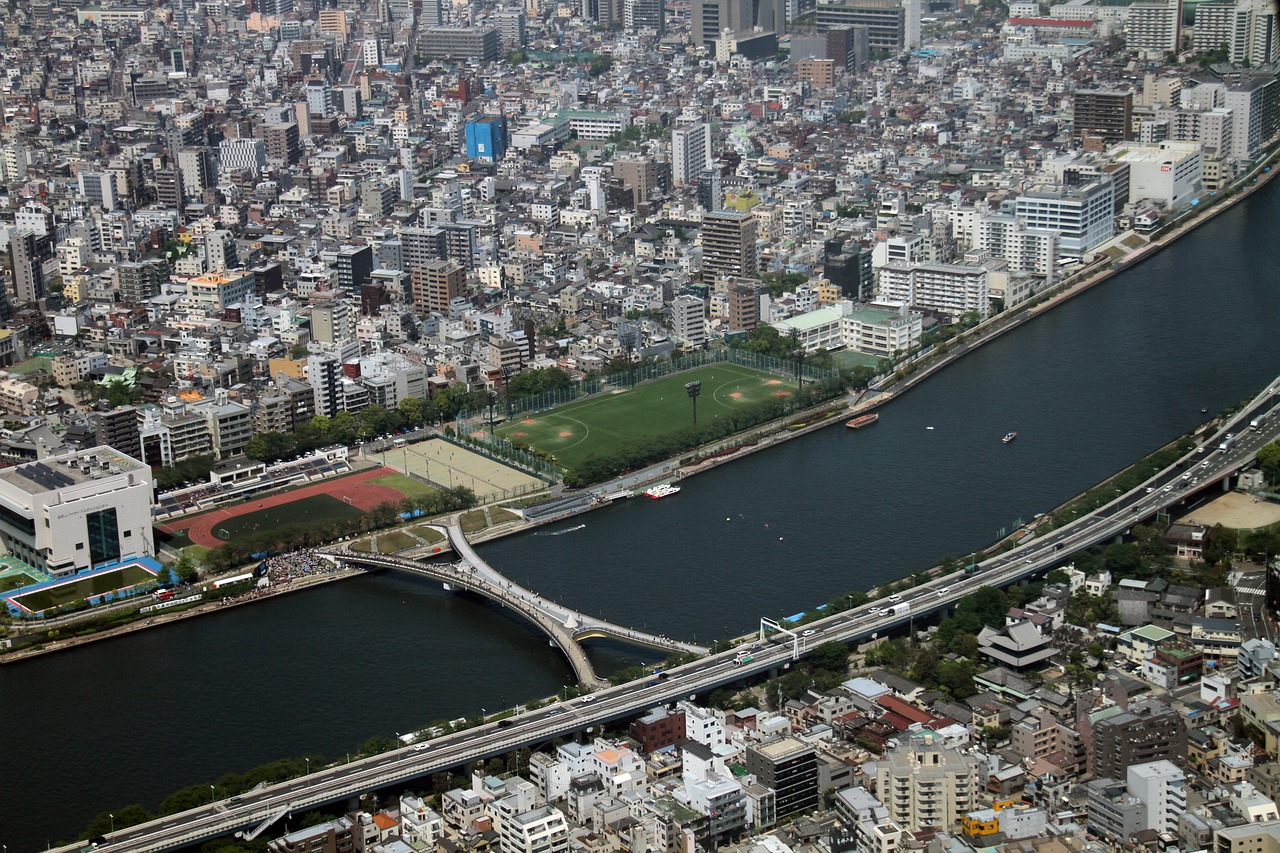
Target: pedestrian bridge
{"type": "Point", "coordinates": [565, 627]}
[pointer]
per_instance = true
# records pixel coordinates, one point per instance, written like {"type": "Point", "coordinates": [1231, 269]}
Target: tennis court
{"type": "Point", "coordinates": [450, 465]}
{"type": "Point", "coordinates": [608, 421]}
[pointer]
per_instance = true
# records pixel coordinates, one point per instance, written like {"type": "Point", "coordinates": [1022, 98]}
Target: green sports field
{"type": "Point", "coordinates": [610, 420]}
{"type": "Point", "coordinates": [304, 511]}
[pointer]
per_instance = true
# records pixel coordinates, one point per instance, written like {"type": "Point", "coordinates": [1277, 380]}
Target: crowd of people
{"type": "Point", "coordinates": [285, 568]}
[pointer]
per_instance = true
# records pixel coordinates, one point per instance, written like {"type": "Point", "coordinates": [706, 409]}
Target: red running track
{"type": "Point", "coordinates": [363, 494]}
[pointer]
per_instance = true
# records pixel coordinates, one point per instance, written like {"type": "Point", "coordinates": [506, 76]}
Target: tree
{"type": "Point", "coordinates": [378, 744]}
{"type": "Point", "coordinates": [119, 392]}
{"type": "Point", "coordinates": [1269, 461]}
{"type": "Point", "coordinates": [186, 570]}
{"type": "Point", "coordinates": [412, 410]}
{"type": "Point", "coordinates": [833, 657]}
{"type": "Point", "coordinates": [271, 447]}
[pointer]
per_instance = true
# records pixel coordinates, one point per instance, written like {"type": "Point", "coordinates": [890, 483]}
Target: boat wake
{"type": "Point", "coordinates": [561, 532]}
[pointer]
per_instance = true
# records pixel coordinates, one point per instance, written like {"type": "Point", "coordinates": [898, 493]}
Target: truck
{"type": "Point", "coordinates": [1256, 423]}
{"type": "Point", "coordinates": [1227, 442]}
{"type": "Point", "coordinates": [900, 608]}
{"type": "Point", "coordinates": [743, 657]}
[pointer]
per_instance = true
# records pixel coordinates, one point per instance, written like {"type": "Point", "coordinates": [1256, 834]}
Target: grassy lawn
{"type": "Point", "coordinates": [473, 521]}
{"type": "Point", "coordinates": [608, 421]}
{"type": "Point", "coordinates": [428, 534]}
{"type": "Point", "coordinates": [304, 511]}
{"type": "Point", "coordinates": [852, 358]}
{"type": "Point", "coordinates": [43, 599]}
{"type": "Point", "coordinates": [406, 485]}
{"type": "Point", "coordinates": [500, 515]}
{"type": "Point", "coordinates": [396, 540]}
{"type": "Point", "coordinates": [197, 553]}
{"type": "Point", "coordinates": [362, 546]}
{"type": "Point", "coordinates": [16, 582]}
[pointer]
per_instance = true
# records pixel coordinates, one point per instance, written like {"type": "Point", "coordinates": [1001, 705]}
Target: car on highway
{"type": "Point", "coordinates": [555, 712]}
{"type": "Point", "coordinates": [895, 598]}
{"type": "Point", "coordinates": [944, 591]}
{"type": "Point", "coordinates": [421, 747]}
{"type": "Point", "coordinates": [502, 724]}
{"type": "Point", "coordinates": [875, 611]}
{"type": "Point", "coordinates": [808, 633]}
{"type": "Point", "coordinates": [587, 700]}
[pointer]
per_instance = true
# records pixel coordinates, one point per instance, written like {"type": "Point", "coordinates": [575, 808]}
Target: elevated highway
{"type": "Point", "coordinates": [1206, 466]}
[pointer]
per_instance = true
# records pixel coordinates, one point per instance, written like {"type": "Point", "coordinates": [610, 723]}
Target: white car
{"type": "Point", "coordinates": [895, 598]}
{"type": "Point", "coordinates": [421, 747]}
{"type": "Point", "coordinates": [809, 633]}
{"type": "Point", "coordinates": [587, 700]}
{"type": "Point", "coordinates": [944, 591]}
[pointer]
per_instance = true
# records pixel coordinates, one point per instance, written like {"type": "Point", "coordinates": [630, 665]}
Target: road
{"type": "Point", "coordinates": [1202, 467]}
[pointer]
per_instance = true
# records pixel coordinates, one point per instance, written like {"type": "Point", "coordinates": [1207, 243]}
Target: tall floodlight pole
{"type": "Point", "coordinates": [693, 389]}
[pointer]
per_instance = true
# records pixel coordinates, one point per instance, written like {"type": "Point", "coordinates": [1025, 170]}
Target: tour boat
{"type": "Point", "coordinates": [862, 420]}
{"type": "Point", "coordinates": [664, 490]}
{"type": "Point", "coordinates": [1009, 437]}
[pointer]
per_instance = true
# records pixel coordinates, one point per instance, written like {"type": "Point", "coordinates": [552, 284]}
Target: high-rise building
{"type": "Point", "coordinates": [710, 189]}
{"type": "Point", "coordinates": [1146, 732]}
{"type": "Point", "coordinates": [607, 13]}
{"type": "Point", "coordinates": [510, 24]}
{"type": "Point", "coordinates": [73, 512]}
{"type": "Point", "coordinates": [169, 191]}
{"type": "Point", "coordinates": [1082, 214]}
{"type": "Point", "coordinates": [118, 427]}
{"type": "Point", "coordinates": [1255, 114]}
{"type": "Point", "coordinates": [640, 174]}
{"type": "Point", "coordinates": [138, 281]}
{"type": "Point", "coordinates": [924, 784]}
{"type": "Point", "coordinates": [729, 244]}
{"type": "Point", "coordinates": [1162, 789]}
{"type": "Point", "coordinates": [1247, 28]}
{"type": "Point", "coordinates": [319, 98]}
{"type": "Point", "coordinates": [689, 320]}
{"type": "Point", "coordinates": [1102, 117]}
{"type": "Point", "coordinates": [539, 830]}
{"type": "Point", "coordinates": [744, 305]}
{"type": "Point", "coordinates": [355, 267]}
{"type": "Point", "coordinates": [241, 153]}
{"type": "Point", "coordinates": [892, 26]}
{"type": "Point", "coordinates": [789, 767]}
{"type": "Point", "coordinates": [28, 253]}
{"type": "Point", "coordinates": [436, 284]}
{"type": "Point", "coordinates": [1154, 27]}
{"type": "Point", "coordinates": [283, 142]}
{"type": "Point", "coordinates": [99, 188]}
{"type": "Point", "coordinates": [645, 15]}
{"type": "Point", "coordinates": [690, 152]}
{"type": "Point", "coordinates": [710, 18]}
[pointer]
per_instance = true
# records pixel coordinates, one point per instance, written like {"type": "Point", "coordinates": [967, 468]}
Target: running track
{"type": "Point", "coordinates": [364, 495]}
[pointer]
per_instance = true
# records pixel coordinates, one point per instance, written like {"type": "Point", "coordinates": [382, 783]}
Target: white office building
{"type": "Point", "coordinates": [1161, 787]}
{"type": "Point", "coordinates": [690, 153]}
{"type": "Point", "coordinates": [73, 512]}
{"type": "Point", "coordinates": [540, 830]}
{"type": "Point", "coordinates": [1032, 250]}
{"type": "Point", "coordinates": [1082, 215]}
{"type": "Point", "coordinates": [243, 154]}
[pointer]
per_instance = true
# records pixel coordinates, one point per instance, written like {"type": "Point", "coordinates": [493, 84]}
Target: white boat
{"type": "Point", "coordinates": [663, 490]}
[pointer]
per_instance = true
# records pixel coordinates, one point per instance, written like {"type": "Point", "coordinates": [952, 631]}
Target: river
{"type": "Point", "coordinates": [1091, 386]}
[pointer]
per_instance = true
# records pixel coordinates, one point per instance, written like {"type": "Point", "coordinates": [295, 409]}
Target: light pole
{"type": "Point", "coordinates": [308, 760]}
{"type": "Point", "coordinates": [693, 389]}
{"type": "Point", "coordinates": [212, 794]}
{"type": "Point", "coordinates": [493, 400]}
{"type": "Point", "coordinates": [113, 826]}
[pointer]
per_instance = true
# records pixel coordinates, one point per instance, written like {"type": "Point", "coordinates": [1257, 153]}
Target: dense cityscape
{"type": "Point", "coordinates": [296, 292]}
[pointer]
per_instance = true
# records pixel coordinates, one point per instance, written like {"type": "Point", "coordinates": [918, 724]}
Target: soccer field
{"type": "Point", "coordinates": [612, 419]}
{"type": "Point", "coordinates": [304, 511]}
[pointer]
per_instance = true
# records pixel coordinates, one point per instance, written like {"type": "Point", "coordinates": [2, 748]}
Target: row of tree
{"type": "Point", "coordinates": [599, 467]}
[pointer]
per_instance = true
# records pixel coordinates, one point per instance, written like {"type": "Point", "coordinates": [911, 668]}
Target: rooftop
{"type": "Point", "coordinates": [57, 472]}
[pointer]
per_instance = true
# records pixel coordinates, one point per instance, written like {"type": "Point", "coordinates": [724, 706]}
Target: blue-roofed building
{"type": "Point", "coordinates": [487, 138]}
